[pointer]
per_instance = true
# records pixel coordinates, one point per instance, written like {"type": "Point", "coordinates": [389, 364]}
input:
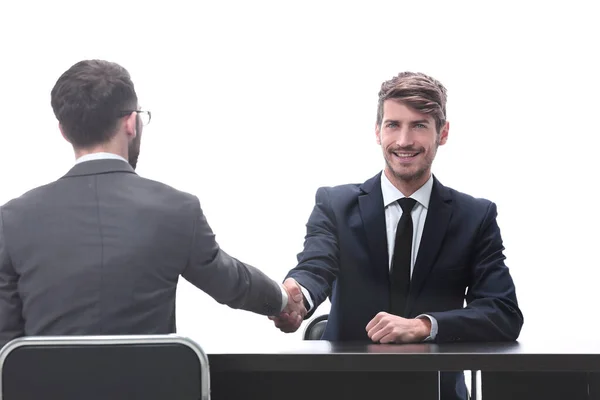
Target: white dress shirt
{"type": "Point", "coordinates": [105, 156]}
{"type": "Point", "coordinates": [393, 212]}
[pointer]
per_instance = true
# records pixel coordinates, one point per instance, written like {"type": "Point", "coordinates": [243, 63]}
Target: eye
{"type": "Point", "coordinates": [420, 126]}
{"type": "Point", "coordinates": [391, 125]}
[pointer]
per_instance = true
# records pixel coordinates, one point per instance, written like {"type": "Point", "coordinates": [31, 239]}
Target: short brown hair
{"type": "Point", "coordinates": [418, 91]}
{"type": "Point", "coordinates": [89, 98]}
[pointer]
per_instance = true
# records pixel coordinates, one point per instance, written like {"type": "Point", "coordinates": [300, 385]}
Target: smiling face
{"type": "Point", "coordinates": [409, 140]}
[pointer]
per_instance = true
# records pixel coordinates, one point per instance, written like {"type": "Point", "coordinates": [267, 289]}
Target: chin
{"type": "Point", "coordinates": [409, 175]}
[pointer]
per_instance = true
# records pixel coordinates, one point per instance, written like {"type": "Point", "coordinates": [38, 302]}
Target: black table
{"type": "Point", "coordinates": [324, 370]}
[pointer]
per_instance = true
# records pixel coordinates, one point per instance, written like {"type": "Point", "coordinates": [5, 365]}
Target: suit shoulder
{"type": "Point", "coordinates": [31, 196]}
{"type": "Point", "coordinates": [147, 190]}
{"type": "Point", "coordinates": [471, 203]}
{"type": "Point", "coordinates": [168, 194]}
{"type": "Point", "coordinates": [163, 187]}
{"type": "Point", "coordinates": [349, 189]}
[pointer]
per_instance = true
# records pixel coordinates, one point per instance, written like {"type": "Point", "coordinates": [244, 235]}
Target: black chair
{"type": "Point", "coordinates": [315, 328]}
{"type": "Point", "coordinates": [104, 367]}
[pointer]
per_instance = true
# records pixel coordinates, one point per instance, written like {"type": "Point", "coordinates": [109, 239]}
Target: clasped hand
{"type": "Point", "coordinates": [290, 319]}
{"type": "Point", "coordinates": [388, 328]}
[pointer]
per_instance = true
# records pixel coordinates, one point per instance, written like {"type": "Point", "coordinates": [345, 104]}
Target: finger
{"type": "Point", "coordinates": [293, 322]}
{"type": "Point", "coordinates": [377, 327]}
{"type": "Point", "coordinates": [281, 315]}
{"type": "Point", "coordinates": [381, 325]}
{"type": "Point", "coordinates": [290, 323]}
{"type": "Point", "coordinates": [279, 321]}
{"type": "Point", "coordinates": [285, 316]}
{"type": "Point", "coordinates": [284, 325]}
{"type": "Point", "coordinates": [289, 327]}
{"type": "Point", "coordinates": [388, 338]}
{"type": "Point", "coordinates": [286, 328]}
{"type": "Point", "coordinates": [382, 332]}
{"type": "Point", "coordinates": [371, 324]}
{"type": "Point", "coordinates": [372, 332]}
{"type": "Point", "coordinates": [299, 309]}
{"type": "Point", "coordinates": [375, 320]}
{"type": "Point", "coordinates": [294, 290]}
{"type": "Point", "coordinates": [297, 323]}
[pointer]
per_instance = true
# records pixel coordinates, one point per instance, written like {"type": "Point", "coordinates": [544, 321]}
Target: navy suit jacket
{"type": "Point", "coordinates": [460, 257]}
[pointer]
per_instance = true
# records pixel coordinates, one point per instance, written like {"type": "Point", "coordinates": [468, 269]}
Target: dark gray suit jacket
{"type": "Point", "coordinates": [100, 252]}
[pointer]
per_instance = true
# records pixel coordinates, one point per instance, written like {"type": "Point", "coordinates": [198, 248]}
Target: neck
{"type": "Point", "coordinates": [102, 148]}
{"type": "Point", "coordinates": [407, 187]}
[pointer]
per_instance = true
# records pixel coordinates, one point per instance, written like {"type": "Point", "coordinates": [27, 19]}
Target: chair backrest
{"type": "Point", "coordinates": [315, 328]}
{"type": "Point", "coordinates": [104, 367]}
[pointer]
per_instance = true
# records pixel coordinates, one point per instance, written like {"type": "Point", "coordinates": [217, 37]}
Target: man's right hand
{"type": "Point", "coordinates": [290, 319]}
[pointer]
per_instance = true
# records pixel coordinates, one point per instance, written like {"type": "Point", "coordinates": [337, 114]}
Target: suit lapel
{"type": "Point", "coordinates": [434, 231]}
{"type": "Point", "coordinates": [372, 213]}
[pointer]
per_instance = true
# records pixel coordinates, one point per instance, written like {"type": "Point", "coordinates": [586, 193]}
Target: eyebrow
{"type": "Point", "coordinates": [420, 121]}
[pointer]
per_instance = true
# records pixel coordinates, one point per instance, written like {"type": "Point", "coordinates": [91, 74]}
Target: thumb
{"type": "Point", "coordinates": [293, 289]}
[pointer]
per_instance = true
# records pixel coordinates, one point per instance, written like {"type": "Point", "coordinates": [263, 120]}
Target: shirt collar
{"type": "Point", "coordinates": [391, 194]}
{"type": "Point", "coordinates": [99, 156]}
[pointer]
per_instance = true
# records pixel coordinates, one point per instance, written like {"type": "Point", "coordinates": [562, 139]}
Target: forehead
{"type": "Point", "coordinates": [397, 110]}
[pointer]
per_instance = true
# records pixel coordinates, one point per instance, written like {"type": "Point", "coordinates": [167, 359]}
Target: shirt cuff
{"type": "Point", "coordinates": [434, 327]}
{"type": "Point", "coordinates": [307, 298]}
{"type": "Point", "coordinates": [284, 298]}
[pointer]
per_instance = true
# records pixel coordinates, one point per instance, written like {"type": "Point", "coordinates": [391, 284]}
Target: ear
{"type": "Point", "coordinates": [131, 125]}
{"type": "Point", "coordinates": [444, 134]}
{"type": "Point", "coordinates": [378, 134]}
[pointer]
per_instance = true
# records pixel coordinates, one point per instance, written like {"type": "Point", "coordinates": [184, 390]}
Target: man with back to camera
{"type": "Point", "coordinates": [100, 251]}
{"type": "Point", "coordinates": [396, 254]}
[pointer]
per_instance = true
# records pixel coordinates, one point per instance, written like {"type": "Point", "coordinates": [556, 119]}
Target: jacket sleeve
{"type": "Point", "coordinates": [318, 263]}
{"type": "Point", "coordinates": [226, 279]}
{"type": "Point", "coordinates": [11, 320]}
{"type": "Point", "coordinates": [492, 312]}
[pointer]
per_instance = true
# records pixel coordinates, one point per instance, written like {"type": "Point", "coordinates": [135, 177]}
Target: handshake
{"type": "Point", "coordinates": [383, 328]}
{"type": "Point", "coordinates": [290, 319]}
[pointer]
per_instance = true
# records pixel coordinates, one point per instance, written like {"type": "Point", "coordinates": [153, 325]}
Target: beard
{"type": "Point", "coordinates": [134, 146]}
{"type": "Point", "coordinates": [416, 171]}
{"type": "Point", "coordinates": [408, 176]}
{"type": "Point", "coordinates": [134, 153]}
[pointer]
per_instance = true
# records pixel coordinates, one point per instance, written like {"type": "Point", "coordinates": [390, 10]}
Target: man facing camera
{"type": "Point", "coordinates": [100, 251]}
{"type": "Point", "coordinates": [397, 254]}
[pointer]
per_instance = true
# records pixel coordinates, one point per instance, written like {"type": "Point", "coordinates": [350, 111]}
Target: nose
{"type": "Point", "coordinates": [404, 138]}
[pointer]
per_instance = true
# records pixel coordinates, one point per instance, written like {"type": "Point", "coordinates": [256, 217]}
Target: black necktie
{"type": "Point", "coordinates": [400, 274]}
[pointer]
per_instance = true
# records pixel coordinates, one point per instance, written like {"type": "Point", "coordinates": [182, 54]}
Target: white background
{"type": "Point", "coordinates": [258, 103]}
